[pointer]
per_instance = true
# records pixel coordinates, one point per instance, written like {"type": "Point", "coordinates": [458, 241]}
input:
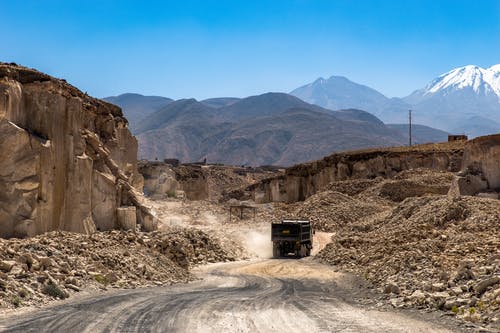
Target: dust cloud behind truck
{"type": "Point", "coordinates": [292, 237]}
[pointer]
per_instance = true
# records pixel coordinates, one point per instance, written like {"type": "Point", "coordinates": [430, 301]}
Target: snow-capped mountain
{"type": "Point", "coordinates": [480, 80]}
{"type": "Point", "coordinates": [450, 100]}
{"type": "Point", "coordinates": [463, 100]}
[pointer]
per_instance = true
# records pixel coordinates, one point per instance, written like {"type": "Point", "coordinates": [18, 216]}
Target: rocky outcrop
{"type": "Point", "coordinates": [303, 180]}
{"type": "Point", "coordinates": [197, 181]}
{"type": "Point", "coordinates": [162, 179]}
{"type": "Point", "coordinates": [481, 167]}
{"type": "Point", "coordinates": [68, 160]}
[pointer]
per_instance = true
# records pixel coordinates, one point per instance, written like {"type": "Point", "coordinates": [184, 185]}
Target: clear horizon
{"type": "Point", "coordinates": [204, 49]}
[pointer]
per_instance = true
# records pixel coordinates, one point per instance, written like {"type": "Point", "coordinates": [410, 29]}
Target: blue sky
{"type": "Point", "coordinates": [204, 49]}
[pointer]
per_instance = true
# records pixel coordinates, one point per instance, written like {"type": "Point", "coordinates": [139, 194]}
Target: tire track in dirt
{"type": "Point", "coordinates": [249, 296]}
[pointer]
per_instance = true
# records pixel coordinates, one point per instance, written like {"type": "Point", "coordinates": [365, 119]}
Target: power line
{"type": "Point", "coordinates": [409, 126]}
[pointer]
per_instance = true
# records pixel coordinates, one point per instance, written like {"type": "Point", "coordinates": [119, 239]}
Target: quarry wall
{"type": "Point", "coordinates": [303, 180]}
{"type": "Point", "coordinates": [68, 161]}
{"type": "Point", "coordinates": [161, 179]}
{"type": "Point", "coordinates": [480, 168]}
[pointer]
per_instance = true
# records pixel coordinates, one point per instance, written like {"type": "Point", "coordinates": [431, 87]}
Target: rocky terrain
{"type": "Point", "coordinates": [69, 179]}
{"type": "Point", "coordinates": [303, 180]}
{"type": "Point", "coordinates": [199, 181]}
{"type": "Point", "coordinates": [413, 234]}
{"type": "Point", "coordinates": [420, 224]}
{"type": "Point", "coordinates": [434, 252]}
{"type": "Point", "coordinates": [56, 265]}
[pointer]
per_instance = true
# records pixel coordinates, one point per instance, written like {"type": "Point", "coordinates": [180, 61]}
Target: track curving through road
{"type": "Point", "coordinates": [247, 296]}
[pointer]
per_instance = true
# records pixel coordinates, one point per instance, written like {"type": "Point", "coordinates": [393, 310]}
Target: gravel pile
{"type": "Point", "coordinates": [407, 184]}
{"type": "Point", "coordinates": [432, 252]}
{"type": "Point", "coordinates": [353, 187]}
{"type": "Point", "coordinates": [328, 211]}
{"type": "Point", "coordinates": [58, 264]}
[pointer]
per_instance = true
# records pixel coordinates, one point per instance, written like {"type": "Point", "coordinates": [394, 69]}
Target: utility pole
{"type": "Point", "coordinates": [409, 127]}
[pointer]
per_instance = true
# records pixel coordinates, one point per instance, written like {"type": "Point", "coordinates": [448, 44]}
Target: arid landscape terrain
{"type": "Point", "coordinates": [406, 238]}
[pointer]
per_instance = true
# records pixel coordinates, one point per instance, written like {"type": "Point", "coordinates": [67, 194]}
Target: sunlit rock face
{"type": "Point", "coordinates": [303, 180]}
{"type": "Point", "coordinates": [480, 168]}
{"type": "Point", "coordinates": [67, 160]}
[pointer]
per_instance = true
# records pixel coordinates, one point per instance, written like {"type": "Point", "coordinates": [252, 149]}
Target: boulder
{"type": "Point", "coordinates": [483, 285]}
{"type": "Point", "coordinates": [127, 219]}
{"type": "Point", "coordinates": [392, 288]}
{"type": "Point", "coordinates": [467, 185]}
{"type": "Point", "coordinates": [6, 265]}
{"type": "Point", "coordinates": [480, 167]}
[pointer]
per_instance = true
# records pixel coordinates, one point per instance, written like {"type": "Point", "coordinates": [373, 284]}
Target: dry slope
{"type": "Point", "coordinates": [433, 251]}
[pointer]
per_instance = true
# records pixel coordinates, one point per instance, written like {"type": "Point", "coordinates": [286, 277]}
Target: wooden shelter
{"type": "Point", "coordinates": [238, 210]}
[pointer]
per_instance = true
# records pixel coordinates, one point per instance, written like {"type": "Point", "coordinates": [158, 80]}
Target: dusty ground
{"type": "Point", "coordinates": [248, 296]}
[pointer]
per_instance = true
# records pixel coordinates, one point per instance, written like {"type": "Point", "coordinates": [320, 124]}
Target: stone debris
{"type": "Point", "coordinates": [58, 264]}
{"type": "Point", "coordinates": [347, 201]}
{"type": "Point", "coordinates": [330, 210]}
{"type": "Point", "coordinates": [407, 184]}
{"type": "Point", "coordinates": [436, 252]}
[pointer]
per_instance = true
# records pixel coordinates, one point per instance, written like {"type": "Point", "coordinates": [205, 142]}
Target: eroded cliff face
{"type": "Point", "coordinates": [303, 180]}
{"type": "Point", "coordinates": [68, 161]}
{"type": "Point", "coordinates": [161, 179]}
{"type": "Point", "coordinates": [480, 168]}
{"type": "Point", "coordinates": [213, 182]}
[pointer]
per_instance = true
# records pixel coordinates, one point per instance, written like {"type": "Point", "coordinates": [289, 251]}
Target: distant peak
{"type": "Point", "coordinates": [186, 101]}
{"type": "Point", "coordinates": [472, 67]}
{"type": "Point", "coordinates": [470, 76]}
{"type": "Point", "coordinates": [338, 77]}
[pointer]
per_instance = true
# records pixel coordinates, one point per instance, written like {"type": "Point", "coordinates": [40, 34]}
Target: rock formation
{"type": "Point", "coordinates": [480, 169]}
{"type": "Point", "coordinates": [198, 182]}
{"type": "Point", "coordinates": [161, 179]}
{"type": "Point", "coordinates": [68, 160]}
{"type": "Point", "coordinates": [303, 180]}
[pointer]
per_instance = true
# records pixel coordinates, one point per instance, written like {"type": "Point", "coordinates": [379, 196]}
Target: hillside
{"type": "Point", "coordinates": [421, 133]}
{"type": "Point", "coordinates": [272, 128]}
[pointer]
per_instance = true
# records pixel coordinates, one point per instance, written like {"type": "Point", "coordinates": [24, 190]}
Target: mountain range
{"type": "Point", "coordinates": [313, 120]}
{"type": "Point", "coordinates": [268, 129]}
{"type": "Point", "coordinates": [465, 100]}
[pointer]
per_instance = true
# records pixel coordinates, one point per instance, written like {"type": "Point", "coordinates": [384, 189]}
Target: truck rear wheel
{"type": "Point", "coordinates": [276, 251]}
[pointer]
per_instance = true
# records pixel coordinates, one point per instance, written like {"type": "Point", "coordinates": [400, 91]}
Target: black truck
{"type": "Point", "coordinates": [292, 237]}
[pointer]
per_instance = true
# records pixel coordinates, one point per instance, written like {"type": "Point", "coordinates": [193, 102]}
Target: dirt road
{"type": "Point", "coordinates": [247, 296]}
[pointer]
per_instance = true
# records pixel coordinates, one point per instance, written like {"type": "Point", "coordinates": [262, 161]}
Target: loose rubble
{"type": "Point", "coordinates": [58, 264]}
{"type": "Point", "coordinates": [431, 252]}
{"type": "Point", "coordinates": [330, 210]}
